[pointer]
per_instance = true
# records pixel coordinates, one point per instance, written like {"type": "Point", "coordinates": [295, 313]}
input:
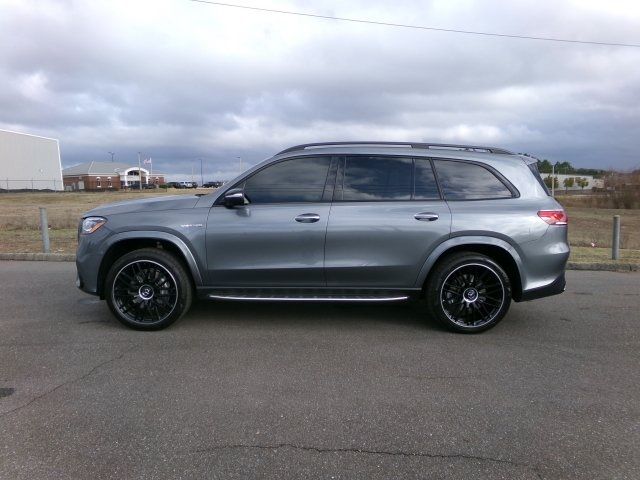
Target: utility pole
{"type": "Point", "coordinates": [553, 179]}
{"type": "Point", "coordinates": [112, 154]}
{"type": "Point", "coordinates": [139, 173]}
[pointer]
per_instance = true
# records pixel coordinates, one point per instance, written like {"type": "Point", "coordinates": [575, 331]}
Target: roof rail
{"type": "Point", "coordinates": [435, 146]}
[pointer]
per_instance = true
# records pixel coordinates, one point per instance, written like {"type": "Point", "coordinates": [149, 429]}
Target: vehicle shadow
{"type": "Point", "coordinates": [409, 315]}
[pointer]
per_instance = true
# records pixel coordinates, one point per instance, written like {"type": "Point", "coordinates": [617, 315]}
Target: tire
{"type": "Point", "coordinates": [148, 289]}
{"type": "Point", "coordinates": [468, 292]}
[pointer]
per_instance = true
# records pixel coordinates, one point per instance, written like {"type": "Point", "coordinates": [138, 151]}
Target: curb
{"type": "Point", "coordinates": [48, 257]}
{"type": "Point", "coordinates": [604, 267]}
{"type": "Point", "coordinates": [70, 257]}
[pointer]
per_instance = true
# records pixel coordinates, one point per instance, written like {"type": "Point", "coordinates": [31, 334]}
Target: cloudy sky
{"type": "Point", "coordinates": [179, 80]}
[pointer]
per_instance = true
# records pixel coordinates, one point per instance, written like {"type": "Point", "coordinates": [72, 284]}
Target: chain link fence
{"type": "Point", "coordinates": [31, 185]}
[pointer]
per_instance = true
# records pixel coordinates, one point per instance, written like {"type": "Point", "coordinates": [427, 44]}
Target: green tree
{"type": "Point", "coordinates": [548, 180]}
{"type": "Point", "coordinates": [544, 166]}
{"type": "Point", "coordinates": [582, 182]}
{"type": "Point", "coordinates": [564, 167]}
{"type": "Point", "coordinates": [568, 183]}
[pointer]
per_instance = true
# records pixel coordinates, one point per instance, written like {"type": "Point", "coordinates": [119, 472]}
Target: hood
{"type": "Point", "coordinates": [173, 202]}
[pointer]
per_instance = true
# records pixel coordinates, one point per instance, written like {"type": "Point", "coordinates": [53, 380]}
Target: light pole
{"type": "Point", "coordinates": [112, 154]}
{"type": "Point", "coordinates": [201, 176]}
{"type": "Point", "coordinates": [240, 158]}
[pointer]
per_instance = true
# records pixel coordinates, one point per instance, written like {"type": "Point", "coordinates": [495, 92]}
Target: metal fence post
{"type": "Point", "coordinates": [44, 228]}
{"type": "Point", "coordinates": [615, 245]}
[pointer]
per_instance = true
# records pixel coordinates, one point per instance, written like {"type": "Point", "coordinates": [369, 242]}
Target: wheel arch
{"type": "Point", "coordinates": [129, 241]}
{"type": "Point", "coordinates": [500, 251]}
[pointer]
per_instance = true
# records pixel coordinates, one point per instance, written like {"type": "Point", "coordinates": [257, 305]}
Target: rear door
{"type": "Point", "coordinates": [386, 217]}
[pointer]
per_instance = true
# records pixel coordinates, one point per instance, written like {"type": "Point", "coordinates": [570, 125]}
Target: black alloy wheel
{"type": "Point", "coordinates": [148, 289]}
{"type": "Point", "coordinates": [469, 292]}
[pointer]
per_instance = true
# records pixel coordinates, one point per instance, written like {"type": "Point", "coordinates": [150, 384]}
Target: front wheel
{"type": "Point", "coordinates": [468, 292]}
{"type": "Point", "coordinates": [148, 289]}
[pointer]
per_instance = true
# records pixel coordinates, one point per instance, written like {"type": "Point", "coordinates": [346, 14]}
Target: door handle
{"type": "Point", "coordinates": [426, 216]}
{"type": "Point", "coordinates": [308, 218]}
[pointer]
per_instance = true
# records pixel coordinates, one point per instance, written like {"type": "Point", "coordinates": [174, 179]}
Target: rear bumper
{"type": "Point", "coordinates": [554, 288]}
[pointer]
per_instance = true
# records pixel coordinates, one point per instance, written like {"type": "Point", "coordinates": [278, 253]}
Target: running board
{"type": "Point", "coordinates": [300, 298]}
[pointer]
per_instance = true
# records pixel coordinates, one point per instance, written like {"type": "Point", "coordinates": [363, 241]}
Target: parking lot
{"type": "Point", "coordinates": [239, 390]}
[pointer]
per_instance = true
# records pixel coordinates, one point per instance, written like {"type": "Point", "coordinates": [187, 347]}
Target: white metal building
{"type": "Point", "coordinates": [29, 162]}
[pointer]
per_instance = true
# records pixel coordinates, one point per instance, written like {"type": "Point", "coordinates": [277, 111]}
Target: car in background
{"type": "Point", "coordinates": [217, 184]}
{"type": "Point", "coordinates": [463, 229]}
{"type": "Point", "coordinates": [182, 184]}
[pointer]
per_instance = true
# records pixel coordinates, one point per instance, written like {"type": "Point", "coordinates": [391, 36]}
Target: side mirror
{"type": "Point", "coordinates": [234, 197]}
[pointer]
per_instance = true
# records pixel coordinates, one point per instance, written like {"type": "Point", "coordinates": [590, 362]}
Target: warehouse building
{"type": "Point", "coordinates": [100, 176]}
{"type": "Point", "coordinates": [29, 162]}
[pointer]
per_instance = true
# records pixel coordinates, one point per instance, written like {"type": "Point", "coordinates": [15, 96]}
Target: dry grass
{"type": "Point", "coordinates": [595, 225]}
{"type": "Point", "coordinates": [19, 211]}
{"type": "Point", "coordinates": [19, 222]}
{"type": "Point", "coordinates": [602, 255]}
{"type": "Point", "coordinates": [629, 199]}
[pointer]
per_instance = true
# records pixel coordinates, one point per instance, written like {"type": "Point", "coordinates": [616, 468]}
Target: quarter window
{"type": "Point", "coordinates": [291, 181]}
{"type": "Point", "coordinates": [468, 181]}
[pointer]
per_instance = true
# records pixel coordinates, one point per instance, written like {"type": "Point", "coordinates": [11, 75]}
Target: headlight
{"type": "Point", "coordinates": [91, 224]}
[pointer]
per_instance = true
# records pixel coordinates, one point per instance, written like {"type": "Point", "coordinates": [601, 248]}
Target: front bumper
{"type": "Point", "coordinates": [88, 258]}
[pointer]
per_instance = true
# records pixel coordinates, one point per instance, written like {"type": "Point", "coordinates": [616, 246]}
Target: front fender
{"type": "Point", "coordinates": [191, 258]}
{"type": "Point", "coordinates": [442, 248]}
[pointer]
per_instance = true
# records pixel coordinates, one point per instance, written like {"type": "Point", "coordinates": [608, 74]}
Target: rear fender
{"type": "Point", "coordinates": [460, 241]}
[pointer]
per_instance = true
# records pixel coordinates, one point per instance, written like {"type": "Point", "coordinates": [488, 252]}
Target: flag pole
{"type": "Point", "coordinates": [139, 173]}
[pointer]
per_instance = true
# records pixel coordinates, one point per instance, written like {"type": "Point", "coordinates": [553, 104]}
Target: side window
{"type": "Point", "coordinates": [467, 181]}
{"type": "Point", "coordinates": [291, 181]}
{"type": "Point", "coordinates": [425, 187]}
{"type": "Point", "coordinates": [377, 178]}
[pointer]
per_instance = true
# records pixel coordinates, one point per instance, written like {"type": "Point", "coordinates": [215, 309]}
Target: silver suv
{"type": "Point", "coordinates": [464, 228]}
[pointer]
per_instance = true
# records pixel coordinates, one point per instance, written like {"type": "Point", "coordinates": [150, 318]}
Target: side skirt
{"type": "Point", "coordinates": [308, 294]}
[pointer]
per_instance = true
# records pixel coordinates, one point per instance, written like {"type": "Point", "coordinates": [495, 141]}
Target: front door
{"type": "Point", "coordinates": [277, 238]}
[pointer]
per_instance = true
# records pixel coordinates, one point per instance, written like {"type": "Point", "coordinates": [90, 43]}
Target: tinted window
{"type": "Point", "coordinates": [299, 180]}
{"type": "Point", "coordinates": [377, 178]}
{"type": "Point", "coordinates": [466, 181]}
{"type": "Point", "coordinates": [425, 187]}
{"type": "Point", "coordinates": [534, 169]}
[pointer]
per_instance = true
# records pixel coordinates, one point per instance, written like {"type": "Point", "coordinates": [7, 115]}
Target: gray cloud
{"type": "Point", "coordinates": [181, 81]}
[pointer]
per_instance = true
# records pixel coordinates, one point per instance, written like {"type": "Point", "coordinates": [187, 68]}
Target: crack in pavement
{"type": "Point", "coordinates": [442, 377]}
{"type": "Point", "coordinates": [68, 382]}
{"type": "Point", "coordinates": [397, 453]}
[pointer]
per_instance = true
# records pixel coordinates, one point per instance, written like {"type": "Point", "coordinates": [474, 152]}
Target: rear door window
{"type": "Point", "coordinates": [377, 178]}
{"type": "Point", "coordinates": [424, 184]}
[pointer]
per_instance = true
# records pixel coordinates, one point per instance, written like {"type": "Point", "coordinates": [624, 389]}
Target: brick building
{"type": "Point", "coordinates": [100, 176]}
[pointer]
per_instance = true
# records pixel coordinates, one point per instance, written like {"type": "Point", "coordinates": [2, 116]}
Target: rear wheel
{"type": "Point", "coordinates": [148, 289]}
{"type": "Point", "coordinates": [468, 292]}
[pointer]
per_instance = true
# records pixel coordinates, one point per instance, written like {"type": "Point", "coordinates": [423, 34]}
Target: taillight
{"type": "Point", "coordinates": [554, 217]}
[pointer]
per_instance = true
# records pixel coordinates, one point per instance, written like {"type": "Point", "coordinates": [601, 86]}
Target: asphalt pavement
{"type": "Point", "coordinates": [265, 390]}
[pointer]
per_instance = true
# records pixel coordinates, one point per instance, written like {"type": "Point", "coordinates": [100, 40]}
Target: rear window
{"type": "Point", "coordinates": [468, 181]}
{"type": "Point", "coordinates": [534, 169]}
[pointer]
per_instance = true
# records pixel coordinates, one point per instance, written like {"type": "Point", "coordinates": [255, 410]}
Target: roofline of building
{"type": "Point", "coordinates": [29, 134]}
